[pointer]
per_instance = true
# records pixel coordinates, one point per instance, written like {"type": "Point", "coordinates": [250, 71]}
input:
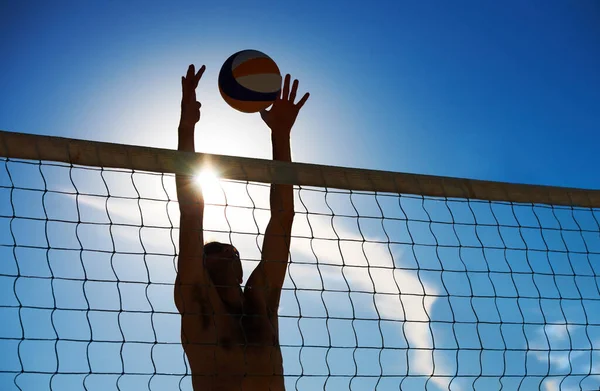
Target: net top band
{"type": "Point", "coordinates": [110, 155]}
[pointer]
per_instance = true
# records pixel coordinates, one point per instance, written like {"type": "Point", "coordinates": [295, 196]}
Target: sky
{"type": "Point", "coordinates": [497, 91]}
{"type": "Point", "coordinates": [480, 89]}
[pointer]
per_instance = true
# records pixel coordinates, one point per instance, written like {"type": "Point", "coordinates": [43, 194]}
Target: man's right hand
{"type": "Point", "coordinates": [190, 107]}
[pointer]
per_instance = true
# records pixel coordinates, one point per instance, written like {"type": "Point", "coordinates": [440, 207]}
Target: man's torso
{"type": "Point", "coordinates": [228, 351]}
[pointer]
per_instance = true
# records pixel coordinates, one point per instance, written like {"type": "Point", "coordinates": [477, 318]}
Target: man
{"type": "Point", "coordinates": [230, 336]}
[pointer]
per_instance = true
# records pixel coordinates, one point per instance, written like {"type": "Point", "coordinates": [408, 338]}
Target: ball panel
{"type": "Point", "coordinates": [246, 106]}
{"type": "Point", "coordinates": [263, 83]}
{"type": "Point", "coordinates": [255, 66]}
{"type": "Point", "coordinates": [246, 55]}
{"type": "Point", "coordinates": [234, 90]}
{"type": "Point", "coordinates": [249, 93]}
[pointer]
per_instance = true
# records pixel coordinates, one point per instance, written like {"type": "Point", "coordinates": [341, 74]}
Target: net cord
{"type": "Point", "coordinates": [109, 155]}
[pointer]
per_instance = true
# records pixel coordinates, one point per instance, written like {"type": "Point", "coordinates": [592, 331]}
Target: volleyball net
{"type": "Point", "coordinates": [395, 281]}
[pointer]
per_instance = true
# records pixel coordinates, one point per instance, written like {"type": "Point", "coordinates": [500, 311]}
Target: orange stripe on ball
{"type": "Point", "coordinates": [256, 66]}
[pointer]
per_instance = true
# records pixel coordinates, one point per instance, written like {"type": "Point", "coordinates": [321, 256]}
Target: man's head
{"type": "Point", "coordinates": [222, 261]}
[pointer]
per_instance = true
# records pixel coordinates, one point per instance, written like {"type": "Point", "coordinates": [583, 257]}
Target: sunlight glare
{"type": "Point", "coordinates": [208, 181]}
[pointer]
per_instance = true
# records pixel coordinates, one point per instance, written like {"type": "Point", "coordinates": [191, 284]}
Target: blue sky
{"type": "Point", "coordinates": [495, 90]}
{"type": "Point", "coordinates": [490, 90]}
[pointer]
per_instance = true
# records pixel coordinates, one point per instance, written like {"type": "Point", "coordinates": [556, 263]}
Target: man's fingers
{"type": "Point", "coordinates": [294, 90]}
{"type": "Point", "coordinates": [286, 87]}
{"type": "Point", "coordinates": [200, 73]}
{"type": "Point", "coordinates": [190, 72]}
{"type": "Point", "coordinates": [190, 81]}
{"type": "Point", "coordinates": [302, 101]}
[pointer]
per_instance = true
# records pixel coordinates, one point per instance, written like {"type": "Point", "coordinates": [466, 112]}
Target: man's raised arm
{"type": "Point", "coordinates": [190, 270]}
{"type": "Point", "coordinates": [267, 280]}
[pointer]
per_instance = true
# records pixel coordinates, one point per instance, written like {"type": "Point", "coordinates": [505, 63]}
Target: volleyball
{"type": "Point", "coordinates": [249, 81]}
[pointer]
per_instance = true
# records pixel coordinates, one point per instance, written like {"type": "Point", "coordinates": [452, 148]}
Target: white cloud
{"type": "Point", "coordinates": [409, 308]}
{"type": "Point", "coordinates": [556, 332]}
{"type": "Point", "coordinates": [557, 335]}
{"type": "Point", "coordinates": [551, 385]}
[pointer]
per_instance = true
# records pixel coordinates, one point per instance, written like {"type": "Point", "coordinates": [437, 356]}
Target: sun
{"type": "Point", "coordinates": [208, 180]}
{"type": "Point", "coordinates": [207, 177]}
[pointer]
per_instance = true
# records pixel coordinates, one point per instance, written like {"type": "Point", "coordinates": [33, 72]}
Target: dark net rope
{"type": "Point", "coordinates": [384, 291]}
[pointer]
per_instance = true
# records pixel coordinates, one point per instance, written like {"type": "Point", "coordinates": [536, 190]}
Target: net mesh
{"type": "Point", "coordinates": [385, 291]}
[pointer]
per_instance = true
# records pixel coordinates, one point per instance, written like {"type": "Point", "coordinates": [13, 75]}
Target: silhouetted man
{"type": "Point", "coordinates": [230, 336]}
